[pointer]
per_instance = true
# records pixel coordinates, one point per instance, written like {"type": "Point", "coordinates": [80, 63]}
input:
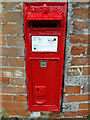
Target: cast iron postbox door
{"type": "Point", "coordinates": [44, 26]}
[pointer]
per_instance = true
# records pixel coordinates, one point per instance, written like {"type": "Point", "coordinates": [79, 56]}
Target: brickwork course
{"type": "Point", "coordinates": [13, 90]}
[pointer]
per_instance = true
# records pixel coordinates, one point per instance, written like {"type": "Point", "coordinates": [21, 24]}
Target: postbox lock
{"type": "Point", "coordinates": [43, 64]}
{"type": "Point", "coordinates": [37, 89]}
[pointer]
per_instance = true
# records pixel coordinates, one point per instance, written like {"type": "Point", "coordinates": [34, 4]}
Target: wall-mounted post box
{"type": "Point", "coordinates": [44, 28]}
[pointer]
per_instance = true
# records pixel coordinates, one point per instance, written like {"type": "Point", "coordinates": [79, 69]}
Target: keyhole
{"type": "Point", "coordinates": [37, 89]}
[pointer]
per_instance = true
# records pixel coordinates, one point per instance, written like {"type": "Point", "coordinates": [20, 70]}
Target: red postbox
{"type": "Point", "coordinates": [44, 28]}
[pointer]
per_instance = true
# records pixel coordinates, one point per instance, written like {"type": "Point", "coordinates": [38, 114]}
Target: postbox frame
{"type": "Point", "coordinates": [29, 55]}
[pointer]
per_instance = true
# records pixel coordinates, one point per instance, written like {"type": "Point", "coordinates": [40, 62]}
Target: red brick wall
{"type": "Point", "coordinates": [12, 57]}
{"type": "Point", "coordinates": [14, 95]}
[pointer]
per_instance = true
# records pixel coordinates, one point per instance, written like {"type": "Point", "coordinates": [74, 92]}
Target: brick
{"type": "Point", "coordinates": [11, 111]}
{"type": "Point", "coordinates": [77, 50]}
{"type": "Point", "coordinates": [54, 115]}
{"type": "Point", "coordinates": [15, 41]}
{"type": "Point", "coordinates": [11, 16]}
{"type": "Point", "coordinates": [0, 73]}
{"type": "Point", "coordinates": [9, 5]}
{"type": "Point", "coordinates": [79, 25]}
{"type": "Point", "coordinates": [0, 97]}
{"type": "Point", "coordinates": [7, 72]}
{"type": "Point", "coordinates": [5, 80]}
{"type": "Point", "coordinates": [23, 112]}
{"type": "Point", "coordinates": [74, 71]}
{"type": "Point", "coordinates": [88, 39]}
{"type": "Point", "coordinates": [0, 104]}
{"type": "Point", "coordinates": [88, 97]}
{"type": "Point", "coordinates": [88, 49]}
{"type": "Point", "coordinates": [14, 72]}
{"type": "Point", "coordinates": [86, 71]}
{"type": "Point", "coordinates": [4, 61]}
{"type": "Point", "coordinates": [0, 81]}
{"type": "Point", "coordinates": [77, 98]}
{"type": "Point", "coordinates": [83, 2]}
{"type": "Point", "coordinates": [79, 39]}
{"type": "Point", "coordinates": [78, 113]}
{"type": "Point", "coordinates": [83, 89]}
{"type": "Point", "coordinates": [6, 97]}
{"type": "Point", "coordinates": [0, 29]}
{"type": "Point", "coordinates": [19, 72]}
{"type": "Point", "coordinates": [16, 62]}
{"type": "Point", "coordinates": [0, 54]}
{"type": "Point", "coordinates": [1, 18]}
{"type": "Point", "coordinates": [80, 61]}
{"type": "Point", "coordinates": [14, 105]}
{"type": "Point", "coordinates": [42, 113]}
{"type": "Point", "coordinates": [19, 7]}
{"type": "Point", "coordinates": [72, 90]}
{"type": "Point", "coordinates": [12, 29]}
{"type": "Point", "coordinates": [89, 105]}
{"type": "Point", "coordinates": [0, 61]}
{"type": "Point", "coordinates": [83, 106]}
{"type": "Point", "coordinates": [78, 13]}
{"type": "Point", "coordinates": [18, 81]}
{"type": "Point", "coordinates": [12, 52]}
{"type": "Point", "coordinates": [20, 98]}
{"type": "Point", "coordinates": [13, 90]}
{"type": "Point", "coordinates": [2, 40]}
